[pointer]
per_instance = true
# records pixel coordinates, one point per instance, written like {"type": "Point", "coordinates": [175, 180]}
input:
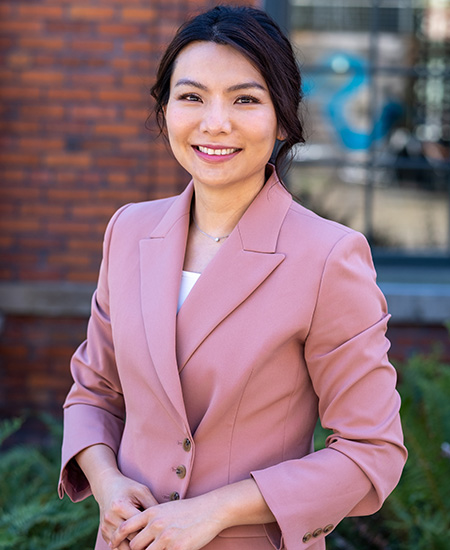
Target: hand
{"type": "Point", "coordinates": [184, 524]}
{"type": "Point", "coordinates": [119, 498]}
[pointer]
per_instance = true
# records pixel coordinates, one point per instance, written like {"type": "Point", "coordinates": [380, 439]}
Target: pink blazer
{"type": "Point", "coordinates": [286, 323]}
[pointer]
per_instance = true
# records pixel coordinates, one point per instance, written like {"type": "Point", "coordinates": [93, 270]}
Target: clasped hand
{"type": "Point", "coordinates": [179, 525]}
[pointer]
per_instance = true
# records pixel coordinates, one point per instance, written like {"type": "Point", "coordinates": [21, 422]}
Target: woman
{"type": "Point", "coordinates": [194, 429]}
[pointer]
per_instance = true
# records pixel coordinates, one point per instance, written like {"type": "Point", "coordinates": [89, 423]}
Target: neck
{"type": "Point", "coordinates": [217, 211]}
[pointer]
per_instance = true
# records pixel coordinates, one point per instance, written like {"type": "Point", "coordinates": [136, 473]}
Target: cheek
{"type": "Point", "coordinates": [178, 123]}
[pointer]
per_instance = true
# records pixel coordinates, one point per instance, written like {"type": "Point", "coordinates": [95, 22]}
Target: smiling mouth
{"type": "Point", "coordinates": [216, 152]}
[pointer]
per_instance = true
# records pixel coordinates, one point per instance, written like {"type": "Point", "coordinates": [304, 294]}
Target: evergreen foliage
{"type": "Point", "coordinates": [31, 515]}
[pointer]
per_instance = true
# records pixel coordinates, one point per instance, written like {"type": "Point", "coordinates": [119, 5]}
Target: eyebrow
{"type": "Point", "coordinates": [235, 88]}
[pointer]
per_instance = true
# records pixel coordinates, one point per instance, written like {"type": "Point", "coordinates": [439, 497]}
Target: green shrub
{"type": "Point", "coordinates": [31, 515]}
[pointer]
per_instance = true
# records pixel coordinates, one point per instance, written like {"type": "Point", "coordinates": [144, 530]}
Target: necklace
{"type": "Point", "coordinates": [215, 239]}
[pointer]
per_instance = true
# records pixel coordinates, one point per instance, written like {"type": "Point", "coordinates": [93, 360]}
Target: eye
{"type": "Point", "coordinates": [247, 99]}
{"type": "Point", "coordinates": [190, 97]}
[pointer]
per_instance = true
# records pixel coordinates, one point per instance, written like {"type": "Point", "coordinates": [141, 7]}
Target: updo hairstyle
{"type": "Point", "coordinates": [254, 34]}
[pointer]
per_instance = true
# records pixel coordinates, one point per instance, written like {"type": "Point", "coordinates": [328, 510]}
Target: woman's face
{"type": "Point", "coordinates": [220, 118]}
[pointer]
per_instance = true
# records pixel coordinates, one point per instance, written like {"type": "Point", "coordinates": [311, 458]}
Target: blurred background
{"type": "Point", "coordinates": [75, 144]}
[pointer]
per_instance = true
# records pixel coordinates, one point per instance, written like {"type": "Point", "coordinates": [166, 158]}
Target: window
{"type": "Point", "coordinates": [377, 96]}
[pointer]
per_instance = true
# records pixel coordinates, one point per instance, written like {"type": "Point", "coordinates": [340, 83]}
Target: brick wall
{"type": "Point", "coordinates": [74, 85]}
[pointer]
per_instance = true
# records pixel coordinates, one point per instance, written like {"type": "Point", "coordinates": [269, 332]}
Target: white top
{"type": "Point", "coordinates": [188, 280]}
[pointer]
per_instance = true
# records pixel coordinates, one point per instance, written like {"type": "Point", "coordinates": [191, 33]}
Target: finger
{"type": "Point", "coordinates": [145, 499]}
{"type": "Point", "coordinates": [144, 539]}
{"type": "Point", "coordinates": [129, 528]}
{"type": "Point", "coordinates": [122, 510]}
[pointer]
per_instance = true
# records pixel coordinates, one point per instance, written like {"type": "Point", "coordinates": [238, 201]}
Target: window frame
{"type": "Point", "coordinates": [279, 10]}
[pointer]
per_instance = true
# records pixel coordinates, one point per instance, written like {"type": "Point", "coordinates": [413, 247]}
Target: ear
{"type": "Point", "coordinates": [281, 134]}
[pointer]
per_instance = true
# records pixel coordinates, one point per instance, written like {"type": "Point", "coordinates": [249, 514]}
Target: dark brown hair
{"type": "Point", "coordinates": [254, 34]}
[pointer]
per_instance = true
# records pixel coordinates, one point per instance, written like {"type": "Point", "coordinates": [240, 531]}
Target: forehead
{"type": "Point", "coordinates": [216, 62]}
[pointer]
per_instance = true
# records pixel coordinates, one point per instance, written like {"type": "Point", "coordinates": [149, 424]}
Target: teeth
{"type": "Point", "coordinates": [216, 151]}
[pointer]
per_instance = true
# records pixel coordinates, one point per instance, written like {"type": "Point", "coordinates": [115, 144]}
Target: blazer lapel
{"type": "Point", "coordinates": [245, 260]}
{"type": "Point", "coordinates": [161, 257]}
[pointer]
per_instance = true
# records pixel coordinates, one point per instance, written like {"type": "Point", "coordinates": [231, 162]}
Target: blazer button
{"type": "Point", "coordinates": [187, 444]}
{"type": "Point", "coordinates": [317, 532]}
{"type": "Point", "coordinates": [328, 528]}
{"type": "Point", "coordinates": [174, 496]}
{"type": "Point", "coordinates": [307, 537]}
{"type": "Point", "coordinates": [181, 471]}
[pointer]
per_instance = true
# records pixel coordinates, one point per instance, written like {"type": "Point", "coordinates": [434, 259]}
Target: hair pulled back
{"type": "Point", "coordinates": [254, 34]}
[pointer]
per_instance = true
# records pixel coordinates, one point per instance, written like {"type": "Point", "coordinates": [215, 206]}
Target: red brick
{"type": "Point", "coordinates": [92, 45]}
{"type": "Point", "coordinates": [83, 276]}
{"type": "Point", "coordinates": [119, 178]}
{"type": "Point", "coordinates": [7, 75]}
{"type": "Point", "coordinates": [136, 114]}
{"type": "Point", "coordinates": [70, 94]}
{"type": "Point", "coordinates": [41, 43]}
{"type": "Point", "coordinates": [6, 241]}
{"type": "Point", "coordinates": [139, 14]}
{"type": "Point", "coordinates": [18, 226]}
{"type": "Point", "coordinates": [90, 13]}
{"type": "Point", "coordinates": [66, 27]}
{"type": "Point", "coordinates": [143, 147]}
{"type": "Point", "coordinates": [42, 77]}
{"type": "Point", "coordinates": [94, 112]}
{"type": "Point", "coordinates": [20, 27]}
{"type": "Point", "coordinates": [91, 211]}
{"type": "Point", "coordinates": [19, 192]}
{"type": "Point", "coordinates": [7, 209]}
{"type": "Point", "coordinates": [5, 43]}
{"type": "Point", "coordinates": [95, 80]}
{"type": "Point", "coordinates": [119, 29]}
{"type": "Point", "coordinates": [16, 93]}
{"type": "Point", "coordinates": [41, 178]}
{"type": "Point", "coordinates": [6, 274]}
{"type": "Point", "coordinates": [43, 210]}
{"type": "Point", "coordinates": [42, 143]}
{"type": "Point", "coordinates": [5, 10]}
{"type": "Point", "coordinates": [121, 2]}
{"type": "Point", "coordinates": [70, 228]}
{"type": "Point", "coordinates": [19, 127]}
{"type": "Point", "coordinates": [121, 196]}
{"type": "Point", "coordinates": [120, 96]}
{"type": "Point", "coordinates": [123, 64]}
{"type": "Point", "coordinates": [141, 82]}
{"type": "Point", "coordinates": [40, 11]}
{"type": "Point", "coordinates": [78, 244]}
{"type": "Point", "coordinates": [14, 351]}
{"type": "Point", "coordinates": [97, 144]}
{"type": "Point", "coordinates": [44, 242]}
{"type": "Point", "coordinates": [70, 259]}
{"type": "Point", "coordinates": [116, 162]}
{"type": "Point", "coordinates": [19, 158]}
{"type": "Point", "coordinates": [116, 129]}
{"type": "Point", "coordinates": [24, 258]}
{"type": "Point", "coordinates": [19, 60]}
{"type": "Point", "coordinates": [78, 160]}
{"type": "Point", "coordinates": [42, 111]}
{"type": "Point", "coordinates": [64, 195]}
{"type": "Point", "coordinates": [70, 128]}
{"type": "Point", "coordinates": [138, 47]}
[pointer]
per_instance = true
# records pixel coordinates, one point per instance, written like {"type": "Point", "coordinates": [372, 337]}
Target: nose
{"type": "Point", "coordinates": [216, 119]}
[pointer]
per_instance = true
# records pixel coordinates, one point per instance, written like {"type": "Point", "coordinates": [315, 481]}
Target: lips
{"type": "Point", "coordinates": [222, 151]}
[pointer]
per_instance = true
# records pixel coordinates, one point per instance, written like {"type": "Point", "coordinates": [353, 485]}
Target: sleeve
{"type": "Point", "coordinates": [94, 407]}
{"type": "Point", "coordinates": [346, 356]}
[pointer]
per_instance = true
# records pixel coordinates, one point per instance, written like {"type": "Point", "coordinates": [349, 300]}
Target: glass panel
{"type": "Point", "coordinates": [377, 96]}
